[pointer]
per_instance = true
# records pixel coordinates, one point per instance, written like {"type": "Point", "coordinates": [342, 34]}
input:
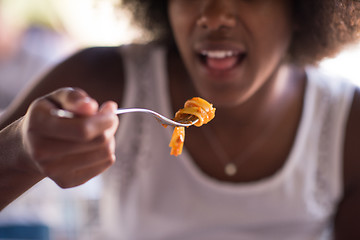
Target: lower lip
{"type": "Point", "coordinates": [221, 64]}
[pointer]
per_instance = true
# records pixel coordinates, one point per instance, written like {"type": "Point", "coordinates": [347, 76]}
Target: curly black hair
{"type": "Point", "coordinates": [323, 27]}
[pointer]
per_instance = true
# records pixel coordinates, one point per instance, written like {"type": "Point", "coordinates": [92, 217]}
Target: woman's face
{"type": "Point", "coordinates": [230, 47]}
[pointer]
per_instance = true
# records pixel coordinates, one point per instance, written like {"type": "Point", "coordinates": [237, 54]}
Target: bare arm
{"type": "Point", "coordinates": [348, 215]}
{"type": "Point", "coordinates": [17, 173]}
{"type": "Point", "coordinates": [70, 152]}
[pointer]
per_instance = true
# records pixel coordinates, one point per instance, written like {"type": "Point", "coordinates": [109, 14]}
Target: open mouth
{"type": "Point", "coordinates": [221, 60]}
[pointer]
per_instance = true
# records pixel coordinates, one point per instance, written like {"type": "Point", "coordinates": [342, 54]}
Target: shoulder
{"type": "Point", "coordinates": [95, 70]}
{"type": "Point", "coordinates": [352, 146]}
{"type": "Point", "coordinates": [95, 60]}
{"type": "Point", "coordinates": [332, 83]}
{"type": "Point", "coordinates": [107, 62]}
{"type": "Point", "coordinates": [344, 99]}
{"type": "Point", "coordinates": [348, 214]}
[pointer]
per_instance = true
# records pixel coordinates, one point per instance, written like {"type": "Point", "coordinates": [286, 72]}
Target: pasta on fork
{"type": "Point", "coordinates": [198, 107]}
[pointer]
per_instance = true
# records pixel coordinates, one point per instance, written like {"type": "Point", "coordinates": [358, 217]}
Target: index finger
{"type": "Point", "coordinates": [79, 128]}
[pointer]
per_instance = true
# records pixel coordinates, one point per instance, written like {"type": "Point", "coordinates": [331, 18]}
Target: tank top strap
{"type": "Point", "coordinates": [334, 97]}
{"type": "Point", "coordinates": [144, 88]}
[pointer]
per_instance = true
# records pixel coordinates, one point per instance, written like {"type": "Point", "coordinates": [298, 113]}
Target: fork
{"type": "Point", "coordinates": [185, 122]}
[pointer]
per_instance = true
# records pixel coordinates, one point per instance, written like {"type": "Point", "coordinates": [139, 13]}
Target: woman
{"type": "Point", "coordinates": [277, 162]}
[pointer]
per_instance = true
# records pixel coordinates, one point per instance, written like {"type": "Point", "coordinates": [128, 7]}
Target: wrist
{"type": "Point", "coordinates": [13, 154]}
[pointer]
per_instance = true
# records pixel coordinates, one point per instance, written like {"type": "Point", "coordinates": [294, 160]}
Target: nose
{"type": "Point", "coordinates": [217, 14]}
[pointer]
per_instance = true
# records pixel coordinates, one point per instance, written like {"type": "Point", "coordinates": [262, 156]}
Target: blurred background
{"type": "Point", "coordinates": [35, 35]}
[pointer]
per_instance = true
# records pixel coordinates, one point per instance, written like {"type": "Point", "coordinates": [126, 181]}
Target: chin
{"type": "Point", "coordinates": [224, 98]}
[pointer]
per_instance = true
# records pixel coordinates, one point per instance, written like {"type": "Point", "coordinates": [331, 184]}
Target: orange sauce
{"type": "Point", "coordinates": [198, 107]}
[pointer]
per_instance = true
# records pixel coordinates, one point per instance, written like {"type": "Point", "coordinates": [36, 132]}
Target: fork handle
{"type": "Point", "coordinates": [67, 114]}
{"type": "Point", "coordinates": [127, 110]}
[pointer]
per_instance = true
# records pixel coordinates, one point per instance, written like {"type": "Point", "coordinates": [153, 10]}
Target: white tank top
{"type": "Point", "coordinates": [155, 196]}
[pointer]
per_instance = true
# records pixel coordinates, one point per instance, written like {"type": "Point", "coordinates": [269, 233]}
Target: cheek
{"type": "Point", "coordinates": [182, 15]}
{"type": "Point", "coordinates": [272, 36]}
{"type": "Point", "coordinates": [181, 25]}
{"type": "Point", "coordinates": [175, 14]}
{"type": "Point", "coordinates": [278, 32]}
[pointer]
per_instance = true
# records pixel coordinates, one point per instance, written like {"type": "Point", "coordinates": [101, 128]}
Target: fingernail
{"type": "Point", "coordinates": [110, 108]}
{"type": "Point", "coordinates": [82, 101]}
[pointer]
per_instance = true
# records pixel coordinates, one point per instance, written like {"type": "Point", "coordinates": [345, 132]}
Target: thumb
{"type": "Point", "coordinates": [74, 100]}
{"type": "Point", "coordinates": [108, 107]}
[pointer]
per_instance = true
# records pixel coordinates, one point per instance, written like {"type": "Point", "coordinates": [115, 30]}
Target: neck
{"type": "Point", "coordinates": [275, 96]}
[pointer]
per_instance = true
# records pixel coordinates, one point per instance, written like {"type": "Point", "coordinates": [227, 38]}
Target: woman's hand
{"type": "Point", "coordinates": [70, 151]}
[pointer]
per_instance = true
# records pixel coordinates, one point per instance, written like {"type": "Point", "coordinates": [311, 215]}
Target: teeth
{"type": "Point", "coordinates": [218, 53]}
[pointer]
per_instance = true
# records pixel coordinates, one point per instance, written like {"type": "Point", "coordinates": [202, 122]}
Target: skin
{"type": "Point", "coordinates": [260, 93]}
